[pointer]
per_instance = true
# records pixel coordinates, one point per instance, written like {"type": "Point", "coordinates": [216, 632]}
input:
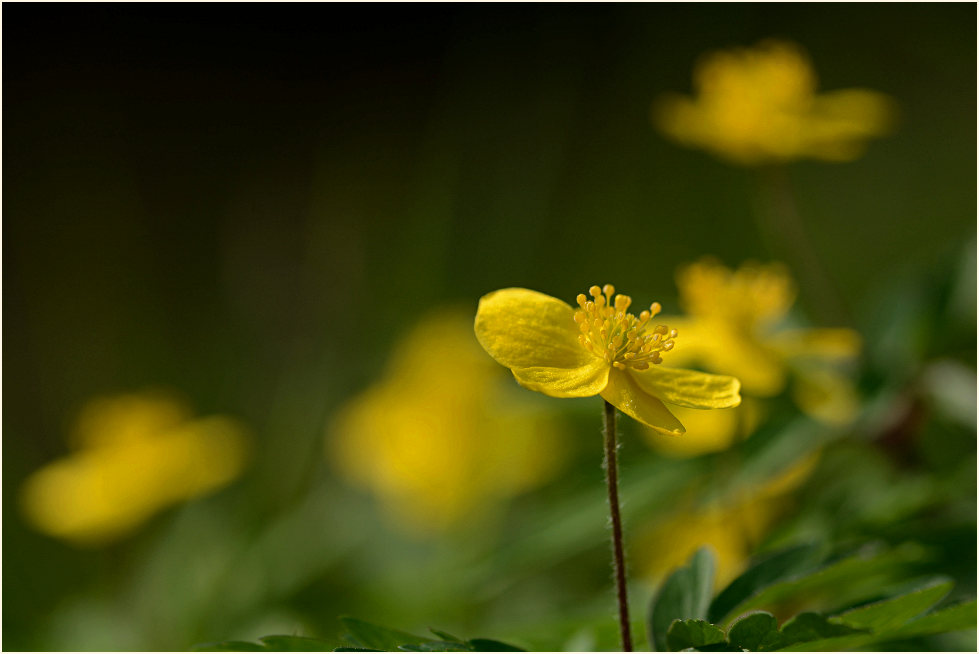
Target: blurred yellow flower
{"type": "Point", "coordinates": [133, 456]}
{"type": "Point", "coordinates": [759, 105]}
{"type": "Point", "coordinates": [732, 526]}
{"type": "Point", "coordinates": [732, 327]}
{"type": "Point", "coordinates": [598, 349]}
{"type": "Point", "coordinates": [437, 439]}
{"type": "Point", "coordinates": [707, 431]}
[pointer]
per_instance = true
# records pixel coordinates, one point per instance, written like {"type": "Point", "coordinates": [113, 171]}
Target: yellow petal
{"type": "Point", "coordinates": [821, 343]}
{"type": "Point", "coordinates": [689, 388]}
{"type": "Point", "coordinates": [584, 381]}
{"type": "Point", "coordinates": [625, 395]}
{"type": "Point", "coordinates": [826, 395]}
{"type": "Point", "coordinates": [526, 329]}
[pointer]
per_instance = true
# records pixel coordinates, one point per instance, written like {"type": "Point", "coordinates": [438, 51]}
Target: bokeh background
{"type": "Point", "coordinates": [253, 207]}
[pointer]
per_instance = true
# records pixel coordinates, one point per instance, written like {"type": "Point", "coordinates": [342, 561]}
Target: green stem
{"type": "Point", "coordinates": [618, 556]}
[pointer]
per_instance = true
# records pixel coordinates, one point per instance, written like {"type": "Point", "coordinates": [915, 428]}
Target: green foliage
{"type": "Point", "coordinates": [364, 637]}
{"type": "Point", "coordinates": [684, 595]}
{"type": "Point", "coordinates": [269, 644]}
{"type": "Point", "coordinates": [777, 581]}
{"type": "Point", "coordinates": [684, 634]}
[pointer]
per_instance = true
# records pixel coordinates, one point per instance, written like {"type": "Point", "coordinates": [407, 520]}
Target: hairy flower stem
{"type": "Point", "coordinates": [618, 557]}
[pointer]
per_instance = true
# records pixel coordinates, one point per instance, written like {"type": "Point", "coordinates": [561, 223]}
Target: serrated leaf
{"type": "Point", "coordinates": [790, 561]}
{"type": "Point", "coordinates": [684, 595]}
{"type": "Point", "coordinates": [843, 580]}
{"type": "Point", "coordinates": [755, 631]}
{"type": "Point", "coordinates": [372, 636]}
{"type": "Point", "coordinates": [692, 633]}
{"type": "Point", "coordinates": [490, 645]}
{"type": "Point", "coordinates": [892, 613]}
{"type": "Point", "coordinates": [294, 644]}
{"type": "Point", "coordinates": [229, 646]}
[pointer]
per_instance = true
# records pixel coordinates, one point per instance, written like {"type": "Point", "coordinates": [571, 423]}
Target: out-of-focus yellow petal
{"type": "Point", "coordinates": [625, 395]}
{"type": "Point", "coordinates": [761, 373]}
{"type": "Point", "coordinates": [826, 395]}
{"type": "Point", "coordinates": [102, 493]}
{"type": "Point", "coordinates": [586, 381]}
{"type": "Point", "coordinates": [119, 419]}
{"type": "Point", "coordinates": [819, 343]}
{"type": "Point", "coordinates": [521, 328]}
{"type": "Point", "coordinates": [689, 388]}
{"type": "Point", "coordinates": [840, 122]}
{"type": "Point", "coordinates": [707, 431]}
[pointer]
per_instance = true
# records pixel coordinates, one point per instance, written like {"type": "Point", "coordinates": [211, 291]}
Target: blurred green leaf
{"type": "Point", "coordinates": [490, 645]}
{"type": "Point", "coordinates": [953, 618]}
{"type": "Point", "coordinates": [446, 636]}
{"type": "Point", "coordinates": [755, 631]}
{"type": "Point", "coordinates": [810, 626]}
{"type": "Point", "coordinates": [294, 644]}
{"type": "Point", "coordinates": [893, 613]}
{"type": "Point", "coordinates": [763, 573]}
{"type": "Point", "coordinates": [840, 581]}
{"type": "Point", "coordinates": [269, 644]}
{"type": "Point", "coordinates": [684, 595]}
{"type": "Point", "coordinates": [692, 633]}
{"type": "Point", "coordinates": [372, 636]}
{"type": "Point", "coordinates": [229, 646]}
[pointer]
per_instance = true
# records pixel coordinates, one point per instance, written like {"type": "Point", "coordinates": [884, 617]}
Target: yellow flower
{"type": "Point", "coordinates": [438, 439]}
{"type": "Point", "coordinates": [759, 105]}
{"type": "Point", "coordinates": [134, 455]}
{"type": "Point", "coordinates": [599, 349]}
{"type": "Point", "coordinates": [733, 328]}
{"type": "Point", "coordinates": [732, 526]}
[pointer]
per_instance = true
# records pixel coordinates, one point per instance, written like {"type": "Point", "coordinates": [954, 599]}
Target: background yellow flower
{"type": "Point", "coordinates": [733, 525]}
{"type": "Point", "coordinates": [134, 455]}
{"type": "Point", "coordinates": [759, 105]}
{"type": "Point", "coordinates": [439, 439]}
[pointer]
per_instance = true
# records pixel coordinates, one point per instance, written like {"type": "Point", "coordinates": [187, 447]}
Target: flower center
{"type": "Point", "coordinates": [609, 332]}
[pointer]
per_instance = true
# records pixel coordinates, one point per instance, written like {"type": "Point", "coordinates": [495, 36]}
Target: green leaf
{"type": "Point", "coordinates": [953, 618]}
{"type": "Point", "coordinates": [229, 646]}
{"type": "Point", "coordinates": [684, 595]}
{"type": "Point", "coordinates": [372, 636]}
{"type": "Point", "coordinates": [842, 581]}
{"type": "Point", "coordinates": [755, 631]}
{"type": "Point", "coordinates": [294, 644]}
{"type": "Point", "coordinates": [490, 645]}
{"type": "Point", "coordinates": [763, 573]}
{"type": "Point", "coordinates": [445, 636]}
{"type": "Point", "coordinates": [893, 613]}
{"type": "Point", "coordinates": [435, 646]}
{"type": "Point", "coordinates": [692, 633]}
{"type": "Point", "coordinates": [811, 626]}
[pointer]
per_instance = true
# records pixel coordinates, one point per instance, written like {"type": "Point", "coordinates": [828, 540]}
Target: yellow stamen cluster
{"type": "Point", "coordinates": [609, 332]}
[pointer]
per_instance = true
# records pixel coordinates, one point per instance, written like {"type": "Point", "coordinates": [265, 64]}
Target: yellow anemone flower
{"type": "Point", "coordinates": [134, 456]}
{"type": "Point", "coordinates": [438, 439]}
{"type": "Point", "coordinates": [732, 327]}
{"type": "Point", "coordinates": [759, 105]}
{"type": "Point", "coordinates": [598, 349]}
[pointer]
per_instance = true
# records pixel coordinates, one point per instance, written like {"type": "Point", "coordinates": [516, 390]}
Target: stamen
{"type": "Point", "coordinates": [610, 332]}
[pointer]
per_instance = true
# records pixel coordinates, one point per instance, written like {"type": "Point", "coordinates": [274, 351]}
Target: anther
{"type": "Point", "coordinates": [582, 298]}
{"type": "Point", "coordinates": [608, 289]}
{"type": "Point", "coordinates": [594, 291]}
